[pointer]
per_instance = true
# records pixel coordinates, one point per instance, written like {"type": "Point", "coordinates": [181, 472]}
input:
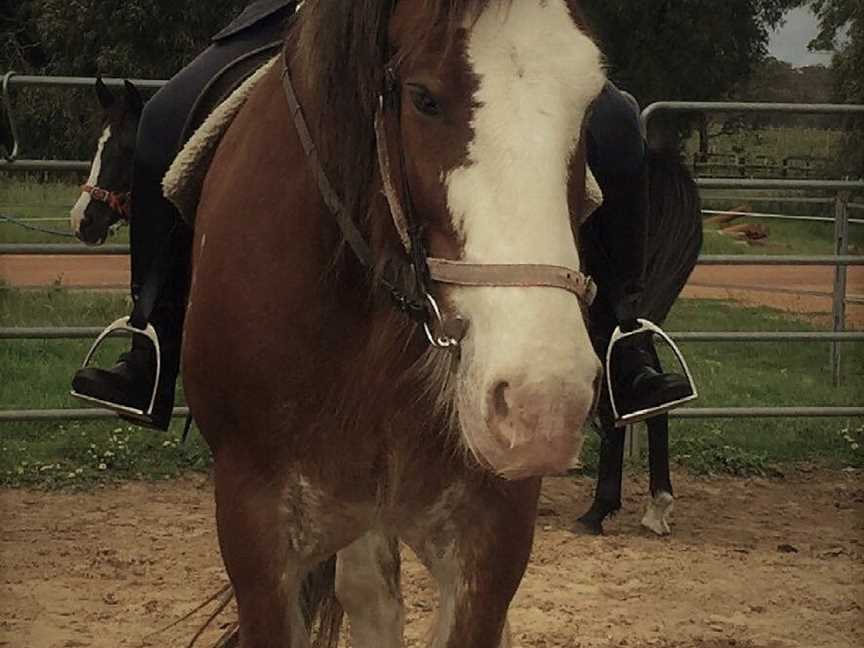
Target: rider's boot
{"type": "Point", "coordinates": [638, 382]}
{"type": "Point", "coordinates": [127, 387]}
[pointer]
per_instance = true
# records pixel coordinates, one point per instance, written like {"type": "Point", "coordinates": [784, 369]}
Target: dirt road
{"type": "Point", "coordinates": [801, 290]}
{"type": "Point", "coordinates": [30, 271]}
{"type": "Point", "coordinates": [751, 564]}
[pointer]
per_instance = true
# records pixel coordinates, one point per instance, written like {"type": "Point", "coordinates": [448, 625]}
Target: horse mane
{"type": "Point", "coordinates": [342, 48]}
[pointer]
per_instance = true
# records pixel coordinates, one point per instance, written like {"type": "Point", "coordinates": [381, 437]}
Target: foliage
{"type": "Point", "coordinates": [140, 38]}
{"type": "Point", "coordinates": [684, 49]}
{"type": "Point", "coordinates": [835, 17]}
{"type": "Point", "coordinates": [125, 38]}
{"type": "Point", "coordinates": [687, 50]}
{"type": "Point", "coordinates": [778, 81]}
{"type": "Point", "coordinates": [841, 28]}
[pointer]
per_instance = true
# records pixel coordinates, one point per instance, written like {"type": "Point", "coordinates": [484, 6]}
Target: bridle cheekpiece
{"type": "Point", "coordinates": [421, 305]}
{"type": "Point", "coordinates": [117, 202]}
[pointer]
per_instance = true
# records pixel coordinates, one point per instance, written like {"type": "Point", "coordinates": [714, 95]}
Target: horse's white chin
{"type": "Point", "coordinates": [527, 429]}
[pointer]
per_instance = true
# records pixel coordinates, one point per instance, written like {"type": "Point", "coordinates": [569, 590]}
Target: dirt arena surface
{"type": "Point", "coordinates": [751, 564]}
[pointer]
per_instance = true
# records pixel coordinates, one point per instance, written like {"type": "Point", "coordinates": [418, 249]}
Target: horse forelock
{"type": "Point", "coordinates": [342, 49]}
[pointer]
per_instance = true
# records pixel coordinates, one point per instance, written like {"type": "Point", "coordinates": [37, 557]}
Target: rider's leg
{"type": "Point", "coordinates": [613, 241]}
{"type": "Point", "coordinates": [158, 235]}
{"type": "Point", "coordinates": [615, 244]}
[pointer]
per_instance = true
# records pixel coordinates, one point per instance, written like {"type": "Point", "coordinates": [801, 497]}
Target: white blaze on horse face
{"type": "Point", "coordinates": [76, 216]}
{"type": "Point", "coordinates": [529, 369]}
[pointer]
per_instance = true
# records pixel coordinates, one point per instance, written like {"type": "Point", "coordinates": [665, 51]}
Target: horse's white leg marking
{"type": "Point", "coordinates": [657, 513]}
{"type": "Point", "coordinates": [367, 586]}
{"type": "Point", "coordinates": [77, 213]}
{"type": "Point", "coordinates": [443, 564]}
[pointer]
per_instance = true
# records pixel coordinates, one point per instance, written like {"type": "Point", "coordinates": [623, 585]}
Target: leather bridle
{"type": "Point", "coordinates": [117, 202]}
{"type": "Point", "coordinates": [420, 305]}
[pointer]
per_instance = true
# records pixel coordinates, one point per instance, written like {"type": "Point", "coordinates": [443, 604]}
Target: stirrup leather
{"type": "Point", "coordinates": [148, 332]}
{"type": "Point", "coordinates": [640, 415]}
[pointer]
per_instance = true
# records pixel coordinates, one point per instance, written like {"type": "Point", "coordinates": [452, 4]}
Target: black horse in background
{"type": "Point", "coordinates": [673, 244]}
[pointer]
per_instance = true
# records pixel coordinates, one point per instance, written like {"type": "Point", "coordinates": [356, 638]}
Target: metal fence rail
{"type": "Point", "coordinates": [61, 249]}
{"type": "Point", "coordinates": [840, 260]}
{"type": "Point", "coordinates": [11, 80]}
{"type": "Point", "coordinates": [782, 217]}
{"type": "Point", "coordinates": [94, 414]}
{"type": "Point", "coordinates": [90, 333]}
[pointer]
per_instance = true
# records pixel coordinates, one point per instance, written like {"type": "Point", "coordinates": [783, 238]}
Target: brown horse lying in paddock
{"type": "Point", "coordinates": [451, 134]}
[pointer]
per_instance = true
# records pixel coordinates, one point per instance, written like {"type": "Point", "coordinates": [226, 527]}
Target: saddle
{"type": "Point", "coordinates": [213, 112]}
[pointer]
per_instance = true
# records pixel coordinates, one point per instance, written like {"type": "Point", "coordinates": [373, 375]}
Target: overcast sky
{"type": "Point", "coordinates": [789, 43]}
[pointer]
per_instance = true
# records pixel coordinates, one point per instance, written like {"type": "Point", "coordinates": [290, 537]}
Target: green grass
{"type": "Point", "coordinates": [36, 374]}
{"type": "Point", "coordinates": [778, 142]}
{"type": "Point", "coordinates": [778, 374]}
{"type": "Point", "coordinates": [24, 200]}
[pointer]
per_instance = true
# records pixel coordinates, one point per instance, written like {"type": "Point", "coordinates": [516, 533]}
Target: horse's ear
{"type": "Point", "coordinates": [133, 97]}
{"type": "Point", "coordinates": [106, 99]}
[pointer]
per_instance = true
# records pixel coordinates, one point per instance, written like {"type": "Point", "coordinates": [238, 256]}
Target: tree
{"type": "Point", "coordinates": [147, 38]}
{"type": "Point", "coordinates": [835, 16]}
{"type": "Point", "coordinates": [125, 38]}
{"type": "Point", "coordinates": [692, 50]}
{"type": "Point", "coordinates": [684, 49]}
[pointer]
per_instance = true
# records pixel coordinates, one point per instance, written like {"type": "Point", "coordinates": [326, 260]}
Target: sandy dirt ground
{"type": "Point", "coordinates": [751, 564]}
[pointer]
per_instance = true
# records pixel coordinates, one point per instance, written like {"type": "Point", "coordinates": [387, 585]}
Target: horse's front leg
{"type": "Point", "coordinates": [368, 587]}
{"type": "Point", "coordinates": [476, 542]}
{"type": "Point", "coordinates": [272, 547]}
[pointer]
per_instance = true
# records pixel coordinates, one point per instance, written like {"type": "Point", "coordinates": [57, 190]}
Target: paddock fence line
{"type": "Point", "coordinates": [96, 414]}
{"type": "Point", "coordinates": [843, 188]}
{"type": "Point", "coordinates": [11, 80]}
{"type": "Point", "coordinates": [840, 260]}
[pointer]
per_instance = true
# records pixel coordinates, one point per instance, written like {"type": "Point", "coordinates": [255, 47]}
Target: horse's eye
{"type": "Point", "coordinates": [424, 102]}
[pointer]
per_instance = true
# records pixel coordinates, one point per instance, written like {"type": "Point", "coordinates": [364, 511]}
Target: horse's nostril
{"type": "Point", "coordinates": [499, 399]}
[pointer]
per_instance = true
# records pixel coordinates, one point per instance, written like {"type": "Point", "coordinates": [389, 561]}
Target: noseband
{"type": "Point", "coordinates": [420, 305]}
{"type": "Point", "coordinates": [117, 202]}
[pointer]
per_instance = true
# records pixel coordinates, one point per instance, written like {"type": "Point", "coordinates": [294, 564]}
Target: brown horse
{"type": "Point", "coordinates": [334, 424]}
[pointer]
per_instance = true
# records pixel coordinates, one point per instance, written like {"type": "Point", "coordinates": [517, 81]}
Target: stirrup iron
{"type": "Point", "coordinates": [644, 327]}
{"type": "Point", "coordinates": [148, 332]}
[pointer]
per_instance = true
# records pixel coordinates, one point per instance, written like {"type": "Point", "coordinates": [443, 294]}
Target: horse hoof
{"type": "Point", "coordinates": [589, 524]}
{"type": "Point", "coordinates": [656, 518]}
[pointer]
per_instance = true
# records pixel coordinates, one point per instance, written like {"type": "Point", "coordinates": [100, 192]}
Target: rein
{"type": "Point", "coordinates": [421, 306]}
{"type": "Point", "coordinates": [117, 202]}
